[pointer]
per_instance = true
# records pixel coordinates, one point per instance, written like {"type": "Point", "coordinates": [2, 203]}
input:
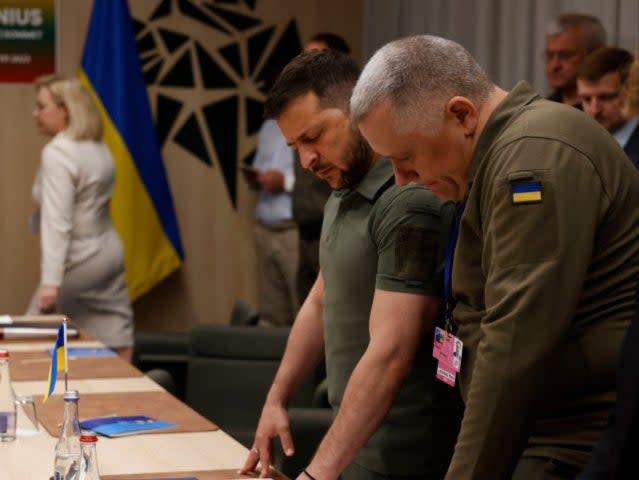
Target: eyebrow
{"type": "Point", "coordinates": [300, 136]}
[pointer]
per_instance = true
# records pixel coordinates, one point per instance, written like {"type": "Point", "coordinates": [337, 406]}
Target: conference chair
{"type": "Point", "coordinates": [308, 426]}
{"type": "Point", "coordinates": [244, 314]}
{"type": "Point", "coordinates": [163, 356]}
{"type": "Point", "coordinates": [230, 371]}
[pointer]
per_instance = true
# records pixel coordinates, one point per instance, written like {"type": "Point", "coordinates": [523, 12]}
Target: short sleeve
{"type": "Point", "coordinates": [410, 228]}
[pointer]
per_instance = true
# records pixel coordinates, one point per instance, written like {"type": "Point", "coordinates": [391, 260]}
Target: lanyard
{"type": "Point", "coordinates": [448, 267]}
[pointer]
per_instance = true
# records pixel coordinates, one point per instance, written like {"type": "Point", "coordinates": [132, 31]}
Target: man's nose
{"type": "Point", "coordinates": [553, 62]}
{"type": "Point", "coordinates": [594, 106]}
{"type": "Point", "coordinates": [308, 156]}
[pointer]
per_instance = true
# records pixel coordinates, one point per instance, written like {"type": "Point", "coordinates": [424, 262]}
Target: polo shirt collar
{"type": "Point", "coordinates": [375, 179]}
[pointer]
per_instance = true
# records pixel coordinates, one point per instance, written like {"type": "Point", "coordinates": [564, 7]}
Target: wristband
{"type": "Point", "coordinates": [311, 477]}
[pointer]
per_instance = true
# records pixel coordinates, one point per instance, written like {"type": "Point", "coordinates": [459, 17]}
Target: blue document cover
{"type": "Point", "coordinates": [88, 352]}
{"type": "Point", "coordinates": [121, 426]}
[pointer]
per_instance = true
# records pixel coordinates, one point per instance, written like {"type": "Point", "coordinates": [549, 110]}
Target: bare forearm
{"type": "Point", "coordinates": [304, 351]}
{"type": "Point", "coordinates": [397, 324]}
{"type": "Point", "coordinates": [369, 395]}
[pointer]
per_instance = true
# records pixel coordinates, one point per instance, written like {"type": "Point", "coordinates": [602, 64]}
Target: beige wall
{"type": "Point", "coordinates": [218, 240]}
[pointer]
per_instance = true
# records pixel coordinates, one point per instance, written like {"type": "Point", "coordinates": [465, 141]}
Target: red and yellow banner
{"type": "Point", "coordinates": [27, 39]}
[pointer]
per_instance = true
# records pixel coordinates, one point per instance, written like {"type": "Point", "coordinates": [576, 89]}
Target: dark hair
{"type": "Point", "coordinates": [329, 74]}
{"type": "Point", "coordinates": [332, 41]}
{"type": "Point", "coordinates": [605, 60]}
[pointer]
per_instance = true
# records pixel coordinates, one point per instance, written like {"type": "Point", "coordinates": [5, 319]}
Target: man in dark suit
{"type": "Point", "coordinates": [614, 457]}
{"type": "Point", "coordinates": [601, 81]}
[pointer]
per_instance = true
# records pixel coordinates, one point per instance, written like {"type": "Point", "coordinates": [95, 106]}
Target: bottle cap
{"type": "Point", "coordinates": [71, 395]}
{"type": "Point", "coordinates": [88, 436]}
{"type": "Point", "coordinates": [4, 353]}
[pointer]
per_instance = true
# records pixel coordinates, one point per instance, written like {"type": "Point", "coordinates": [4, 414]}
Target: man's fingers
{"type": "Point", "coordinates": [265, 471]}
{"type": "Point", "coordinates": [287, 443]}
{"type": "Point", "coordinates": [251, 461]}
{"type": "Point", "coordinates": [265, 461]}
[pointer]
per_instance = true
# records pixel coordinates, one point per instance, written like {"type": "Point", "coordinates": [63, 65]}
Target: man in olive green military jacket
{"type": "Point", "coordinates": [372, 308]}
{"type": "Point", "coordinates": [545, 268]}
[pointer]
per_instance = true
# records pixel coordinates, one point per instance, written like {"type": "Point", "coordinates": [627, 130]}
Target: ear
{"type": "Point", "coordinates": [464, 112]}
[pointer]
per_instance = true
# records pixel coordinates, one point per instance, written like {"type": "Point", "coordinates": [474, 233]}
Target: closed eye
{"type": "Point", "coordinates": [310, 138]}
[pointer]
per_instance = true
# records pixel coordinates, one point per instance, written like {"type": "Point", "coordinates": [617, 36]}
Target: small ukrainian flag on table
{"type": "Point", "coordinates": [58, 361]}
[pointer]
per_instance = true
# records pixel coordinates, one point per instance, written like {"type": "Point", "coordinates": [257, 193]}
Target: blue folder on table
{"type": "Point", "coordinates": [88, 352]}
{"type": "Point", "coordinates": [122, 426]}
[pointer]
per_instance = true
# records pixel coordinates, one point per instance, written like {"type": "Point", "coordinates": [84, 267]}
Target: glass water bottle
{"type": "Point", "coordinates": [67, 450]}
{"type": "Point", "coordinates": [88, 456]}
{"type": "Point", "coordinates": [7, 401]}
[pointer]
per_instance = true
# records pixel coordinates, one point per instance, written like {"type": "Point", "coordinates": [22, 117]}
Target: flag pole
{"type": "Point", "coordinates": [64, 323]}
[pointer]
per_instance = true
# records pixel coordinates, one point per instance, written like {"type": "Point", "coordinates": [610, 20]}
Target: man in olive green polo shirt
{"type": "Point", "coordinates": [545, 268]}
{"type": "Point", "coordinates": [372, 309]}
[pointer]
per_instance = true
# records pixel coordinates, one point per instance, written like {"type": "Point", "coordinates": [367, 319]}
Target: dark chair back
{"type": "Point", "coordinates": [244, 314]}
{"type": "Point", "coordinates": [230, 371]}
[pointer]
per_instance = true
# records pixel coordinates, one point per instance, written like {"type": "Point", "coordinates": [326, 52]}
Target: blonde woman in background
{"type": "Point", "coordinates": [82, 260]}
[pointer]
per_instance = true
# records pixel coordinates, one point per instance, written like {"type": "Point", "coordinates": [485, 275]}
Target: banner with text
{"type": "Point", "coordinates": [27, 39]}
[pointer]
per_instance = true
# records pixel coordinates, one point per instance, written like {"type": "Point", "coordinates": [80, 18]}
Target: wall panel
{"type": "Point", "coordinates": [217, 236]}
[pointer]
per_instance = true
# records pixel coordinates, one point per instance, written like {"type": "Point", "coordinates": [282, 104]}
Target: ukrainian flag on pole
{"type": "Point", "coordinates": [141, 207]}
{"type": "Point", "coordinates": [58, 361]}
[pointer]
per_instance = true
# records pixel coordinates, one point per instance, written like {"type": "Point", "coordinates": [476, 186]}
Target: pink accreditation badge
{"type": "Point", "coordinates": [445, 374]}
{"type": "Point", "coordinates": [458, 350]}
{"type": "Point", "coordinates": [447, 349]}
{"type": "Point", "coordinates": [439, 342]}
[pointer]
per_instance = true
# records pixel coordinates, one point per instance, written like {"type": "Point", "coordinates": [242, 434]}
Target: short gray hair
{"type": "Point", "coordinates": [84, 119]}
{"type": "Point", "coordinates": [418, 75]}
{"type": "Point", "coordinates": [594, 32]}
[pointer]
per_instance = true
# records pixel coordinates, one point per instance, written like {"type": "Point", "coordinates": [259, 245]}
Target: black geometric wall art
{"type": "Point", "coordinates": [287, 46]}
{"type": "Point", "coordinates": [230, 68]}
{"type": "Point", "coordinates": [137, 26]}
{"type": "Point", "coordinates": [221, 119]}
{"type": "Point", "coordinates": [167, 110]}
{"type": "Point", "coordinates": [153, 70]}
{"type": "Point", "coordinates": [181, 73]}
{"type": "Point", "coordinates": [162, 10]}
{"type": "Point", "coordinates": [212, 75]}
{"type": "Point", "coordinates": [231, 53]}
{"type": "Point", "coordinates": [256, 45]}
{"type": "Point", "coordinates": [190, 138]}
{"type": "Point", "coordinates": [236, 20]}
{"type": "Point", "coordinates": [172, 40]}
{"type": "Point", "coordinates": [146, 42]}
{"type": "Point", "coordinates": [250, 4]}
{"type": "Point", "coordinates": [254, 115]}
{"type": "Point", "coordinates": [191, 10]}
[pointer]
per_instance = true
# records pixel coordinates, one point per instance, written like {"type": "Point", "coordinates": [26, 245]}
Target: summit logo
{"type": "Point", "coordinates": [20, 17]}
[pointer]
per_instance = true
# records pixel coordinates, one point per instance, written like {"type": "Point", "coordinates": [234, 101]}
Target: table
{"type": "Point", "coordinates": [210, 454]}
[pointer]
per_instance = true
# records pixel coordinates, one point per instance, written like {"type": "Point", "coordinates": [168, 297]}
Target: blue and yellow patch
{"type": "Point", "coordinates": [526, 192]}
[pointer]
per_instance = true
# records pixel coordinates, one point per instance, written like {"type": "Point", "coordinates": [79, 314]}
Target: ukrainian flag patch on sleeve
{"type": "Point", "coordinates": [526, 192]}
